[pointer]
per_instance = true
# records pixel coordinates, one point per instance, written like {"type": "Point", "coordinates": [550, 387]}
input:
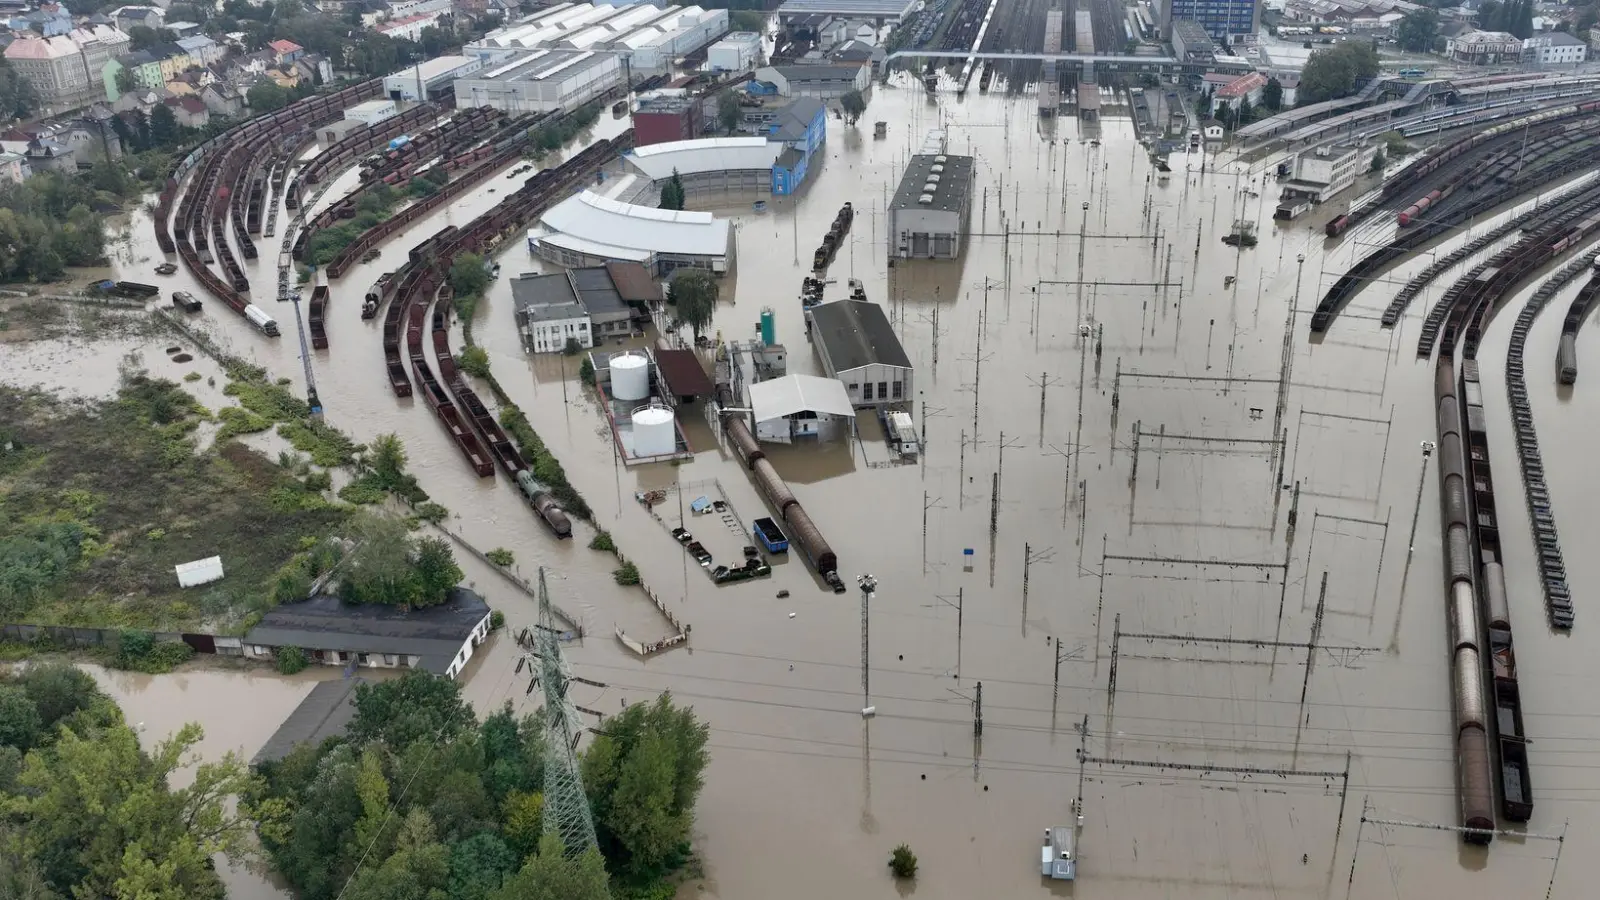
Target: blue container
{"type": "Point", "coordinates": [769, 327]}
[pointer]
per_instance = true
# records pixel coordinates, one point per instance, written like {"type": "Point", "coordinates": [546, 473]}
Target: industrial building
{"type": "Point", "coordinates": [1190, 41]}
{"type": "Point", "coordinates": [589, 229]}
{"type": "Point", "coordinates": [430, 79]}
{"type": "Point", "coordinates": [667, 117]}
{"type": "Point", "coordinates": [880, 12]}
{"type": "Point", "coordinates": [581, 305]}
{"type": "Point", "coordinates": [372, 111]}
{"type": "Point", "coordinates": [799, 406]}
{"type": "Point", "coordinates": [931, 209]}
{"type": "Point", "coordinates": [711, 165]}
{"type": "Point", "coordinates": [1321, 174]}
{"type": "Point", "coordinates": [737, 52]}
{"type": "Point", "coordinates": [541, 80]}
{"type": "Point", "coordinates": [821, 82]}
{"type": "Point", "coordinates": [647, 38]}
{"type": "Point", "coordinates": [858, 347]}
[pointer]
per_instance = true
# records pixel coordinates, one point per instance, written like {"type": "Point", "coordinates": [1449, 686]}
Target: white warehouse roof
{"type": "Point", "coordinates": [720, 154]}
{"type": "Point", "coordinates": [799, 393]}
{"type": "Point", "coordinates": [598, 220]}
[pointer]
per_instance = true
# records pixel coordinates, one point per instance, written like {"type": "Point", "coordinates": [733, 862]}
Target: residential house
{"type": "Point", "coordinates": [397, 9]}
{"type": "Point", "coordinates": [409, 27]}
{"type": "Point", "coordinates": [1214, 130]}
{"type": "Point", "coordinates": [144, 65]}
{"type": "Point", "coordinates": [203, 50]}
{"type": "Point", "coordinates": [67, 70]}
{"type": "Point", "coordinates": [14, 167]}
{"type": "Point", "coordinates": [14, 140]}
{"type": "Point", "coordinates": [49, 20]}
{"type": "Point", "coordinates": [126, 17]}
{"type": "Point", "coordinates": [1244, 88]}
{"type": "Point", "coordinates": [1554, 48]}
{"type": "Point", "coordinates": [50, 155]}
{"type": "Point", "coordinates": [91, 136]}
{"type": "Point", "coordinates": [438, 639]}
{"type": "Point", "coordinates": [143, 99]}
{"type": "Point", "coordinates": [314, 67]}
{"type": "Point", "coordinates": [223, 99]}
{"type": "Point", "coordinates": [286, 51]}
{"type": "Point", "coordinates": [173, 60]}
{"type": "Point", "coordinates": [1484, 48]}
{"type": "Point", "coordinates": [190, 111]}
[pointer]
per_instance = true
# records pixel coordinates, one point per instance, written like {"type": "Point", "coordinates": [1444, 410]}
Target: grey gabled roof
{"type": "Point", "coordinates": [794, 118]}
{"type": "Point", "coordinates": [434, 633]}
{"type": "Point", "coordinates": [597, 293]}
{"type": "Point", "coordinates": [856, 333]}
{"type": "Point", "coordinates": [546, 298]}
{"type": "Point", "coordinates": [324, 713]}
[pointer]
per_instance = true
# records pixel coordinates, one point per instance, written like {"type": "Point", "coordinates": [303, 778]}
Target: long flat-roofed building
{"type": "Point", "coordinates": [710, 165]}
{"type": "Point", "coordinates": [430, 78]}
{"type": "Point", "coordinates": [646, 36]}
{"type": "Point", "coordinates": [590, 230]}
{"type": "Point", "coordinates": [541, 80]}
{"type": "Point", "coordinates": [931, 209]}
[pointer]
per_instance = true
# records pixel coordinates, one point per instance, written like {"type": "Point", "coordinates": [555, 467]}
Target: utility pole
{"type": "Point", "coordinates": [977, 713]}
{"type": "Point", "coordinates": [868, 585]}
{"type": "Point", "coordinates": [1000, 471]}
{"type": "Point", "coordinates": [956, 605]}
{"type": "Point", "coordinates": [1422, 479]}
{"type": "Point", "coordinates": [927, 505]}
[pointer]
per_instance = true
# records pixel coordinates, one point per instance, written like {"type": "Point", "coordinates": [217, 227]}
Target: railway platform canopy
{"type": "Point", "coordinates": [1298, 118]}
{"type": "Point", "coordinates": [895, 11]}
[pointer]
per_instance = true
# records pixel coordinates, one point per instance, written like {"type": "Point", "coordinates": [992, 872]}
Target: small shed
{"type": "Point", "coordinates": [799, 406]}
{"type": "Point", "coordinates": [682, 375]}
{"type": "Point", "coordinates": [201, 571]}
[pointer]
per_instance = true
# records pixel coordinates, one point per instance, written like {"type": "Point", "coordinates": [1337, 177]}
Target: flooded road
{"type": "Point", "coordinates": [1153, 499]}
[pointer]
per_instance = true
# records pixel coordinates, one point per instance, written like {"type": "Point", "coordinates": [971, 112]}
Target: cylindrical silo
{"type": "Point", "coordinates": [630, 376]}
{"type": "Point", "coordinates": [769, 327]}
{"type": "Point", "coordinates": [653, 431]}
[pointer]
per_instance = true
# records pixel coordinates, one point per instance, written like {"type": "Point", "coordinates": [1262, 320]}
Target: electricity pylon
{"type": "Point", "coordinates": [566, 807]}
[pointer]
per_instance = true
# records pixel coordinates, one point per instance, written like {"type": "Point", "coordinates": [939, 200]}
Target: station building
{"type": "Point", "coordinates": [931, 209]}
{"type": "Point", "coordinates": [589, 230]}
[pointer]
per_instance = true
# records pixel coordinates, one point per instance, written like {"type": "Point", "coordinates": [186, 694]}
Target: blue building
{"type": "Point", "coordinates": [801, 126]}
{"type": "Point", "coordinates": [1220, 18]}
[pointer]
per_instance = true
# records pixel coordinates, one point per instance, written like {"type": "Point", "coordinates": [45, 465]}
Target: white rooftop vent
{"type": "Point", "coordinates": [937, 168]}
{"type": "Point", "coordinates": [931, 186]}
{"type": "Point", "coordinates": [934, 178]}
{"type": "Point", "coordinates": [925, 199]}
{"type": "Point", "coordinates": [939, 159]}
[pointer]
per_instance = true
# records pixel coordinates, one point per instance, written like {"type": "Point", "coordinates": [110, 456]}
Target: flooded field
{"type": "Point", "coordinates": [1117, 492]}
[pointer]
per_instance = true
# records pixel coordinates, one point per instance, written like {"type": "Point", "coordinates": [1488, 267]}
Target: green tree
{"type": "Point", "coordinates": [164, 128]}
{"type": "Point", "coordinates": [728, 109]}
{"type": "Point", "coordinates": [1272, 95]}
{"type": "Point", "coordinates": [478, 865]}
{"type": "Point", "coordinates": [854, 105]}
{"type": "Point", "coordinates": [57, 691]}
{"type": "Point", "coordinates": [418, 706]}
{"type": "Point", "coordinates": [902, 862]}
{"type": "Point", "coordinates": [1333, 73]}
{"type": "Point", "coordinates": [1418, 30]}
{"type": "Point", "coordinates": [643, 777]}
{"type": "Point", "coordinates": [18, 98]}
{"type": "Point", "coordinates": [672, 193]}
{"type": "Point", "coordinates": [126, 84]}
{"type": "Point", "coordinates": [1246, 113]}
{"type": "Point", "coordinates": [103, 823]}
{"type": "Point", "coordinates": [388, 459]}
{"type": "Point", "coordinates": [143, 37]}
{"type": "Point", "coordinates": [474, 360]}
{"type": "Point", "coordinates": [550, 875]}
{"type": "Point", "coordinates": [266, 96]}
{"type": "Point", "coordinates": [390, 568]}
{"type": "Point", "coordinates": [694, 293]}
{"type": "Point", "coordinates": [468, 276]}
{"type": "Point", "coordinates": [1378, 162]}
{"type": "Point", "coordinates": [19, 719]}
{"type": "Point", "coordinates": [748, 20]}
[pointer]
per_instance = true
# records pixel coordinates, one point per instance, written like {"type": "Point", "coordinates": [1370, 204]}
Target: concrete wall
{"type": "Point", "coordinates": [924, 233]}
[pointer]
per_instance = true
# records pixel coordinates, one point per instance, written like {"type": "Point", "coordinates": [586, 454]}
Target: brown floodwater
{"type": "Point", "coordinates": [797, 774]}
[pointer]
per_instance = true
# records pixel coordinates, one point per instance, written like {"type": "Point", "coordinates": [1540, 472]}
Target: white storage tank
{"type": "Point", "coordinates": [630, 376]}
{"type": "Point", "coordinates": [653, 431]}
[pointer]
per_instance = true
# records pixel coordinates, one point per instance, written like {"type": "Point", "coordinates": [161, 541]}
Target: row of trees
{"type": "Point", "coordinates": [84, 812]}
{"type": "Point", "coordinates": [424, 801]}
{"type": "Point", "coordinates": [50, 222]}
{"type": "Point", "coordinates": [1333, 73]}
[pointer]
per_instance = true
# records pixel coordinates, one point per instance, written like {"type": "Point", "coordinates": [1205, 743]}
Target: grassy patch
{"type": "Point", "coordinates": [100, 500]}
{"type": "Point", "coordinates": [364, 491]}
{"type": "Point", "coordinates": [327, 446]}
{"type": "Point", "coordinates": [626, 574]}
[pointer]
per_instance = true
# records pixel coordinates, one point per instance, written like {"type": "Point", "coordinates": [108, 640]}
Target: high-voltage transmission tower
{"type": "Point", "coordinates": [566, 807]}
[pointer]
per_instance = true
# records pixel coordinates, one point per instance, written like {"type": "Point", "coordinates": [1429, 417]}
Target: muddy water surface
{"type": "Point", "coordinates": [1185, 535]}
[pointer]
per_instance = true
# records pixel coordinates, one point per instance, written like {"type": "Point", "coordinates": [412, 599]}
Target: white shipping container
{"type": "Point", "coordinates": [201, 571]}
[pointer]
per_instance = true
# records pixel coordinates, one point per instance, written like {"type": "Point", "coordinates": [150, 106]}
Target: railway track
{"type": "Point", "coordinates": [1541, 512]}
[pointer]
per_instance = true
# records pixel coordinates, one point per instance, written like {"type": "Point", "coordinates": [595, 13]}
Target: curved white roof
{"type": "Point", "coordinates": [718, 154]}
{"type": "Point", "coordinates": [598, 220]}
{"type": "Point", "coordinates": [792, 394]}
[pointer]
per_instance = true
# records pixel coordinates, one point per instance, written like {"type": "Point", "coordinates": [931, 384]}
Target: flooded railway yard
{"type": "Point", "coordinates": [1205, 564]}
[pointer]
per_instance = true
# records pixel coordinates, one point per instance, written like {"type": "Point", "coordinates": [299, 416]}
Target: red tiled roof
{"type": "Point", "coordinates": [1242, 86]}
{"type": "Point", "coordinates": [285, 46]}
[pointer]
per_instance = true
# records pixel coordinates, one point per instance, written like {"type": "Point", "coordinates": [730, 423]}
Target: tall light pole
{"type": "Point", "coordinates": [869, 586]}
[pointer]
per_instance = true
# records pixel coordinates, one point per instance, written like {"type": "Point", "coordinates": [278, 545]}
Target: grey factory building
{"type": "Point", "coordinates": [931, 208]}
{"type": "Point", "coordinates": [857, 345]}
